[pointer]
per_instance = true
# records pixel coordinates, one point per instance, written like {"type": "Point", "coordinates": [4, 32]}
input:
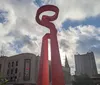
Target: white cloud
{"type": "Point", "coordinates": [6, 50]}
{"type": "Point", "coordinates": [10, 16]}
{"type": "Point", "coordinates": [21, 16]}
{"type": "Point", "coordinates": [80, 39]}
{"type": "Point", "coordinates": [77, 9]}
{"type": "Point", "coordinates": [21, 22]}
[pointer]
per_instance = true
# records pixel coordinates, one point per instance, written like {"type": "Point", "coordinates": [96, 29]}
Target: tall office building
{"type": "Point", "coordinates": [85, 64]}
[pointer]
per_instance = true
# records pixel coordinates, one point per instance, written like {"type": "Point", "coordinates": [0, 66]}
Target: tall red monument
{"type": "Point", "coordinates": [57, 76]}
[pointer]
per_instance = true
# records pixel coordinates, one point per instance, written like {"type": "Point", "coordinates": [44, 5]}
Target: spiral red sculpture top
{"type": "Point", "coordinates": [57, 77]}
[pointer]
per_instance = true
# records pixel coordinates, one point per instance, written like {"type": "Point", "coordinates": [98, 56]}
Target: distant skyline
{"type": "Point", "coordinates": [77, 24]}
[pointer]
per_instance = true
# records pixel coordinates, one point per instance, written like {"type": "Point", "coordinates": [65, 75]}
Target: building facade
{"type": "Point", "coordinates": [67, 74]}
{"type": "Point", "coordinates": [22, 69]}
{"type": "Point", "coordinates": [85, 64]}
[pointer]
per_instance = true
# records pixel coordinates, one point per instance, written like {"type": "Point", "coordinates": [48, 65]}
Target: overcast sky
{"type": "Point", "coordinates": [77, 24]}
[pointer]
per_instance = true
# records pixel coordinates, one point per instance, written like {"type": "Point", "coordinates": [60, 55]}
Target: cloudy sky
{"type": "Point", "coordinates": [77, 24]}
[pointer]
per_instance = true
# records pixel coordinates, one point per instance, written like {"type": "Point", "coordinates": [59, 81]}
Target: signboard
{"type": "Point", "coordinates": [27, 66]}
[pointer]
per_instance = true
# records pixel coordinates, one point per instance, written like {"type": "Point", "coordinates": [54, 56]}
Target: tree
{"type": "Point", "coordinates": [3, 80]}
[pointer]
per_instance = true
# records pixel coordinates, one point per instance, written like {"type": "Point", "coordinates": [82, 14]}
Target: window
{"type": "Point", "coordinates": [16, 70]}
{"type": "Point", "coordinates": [15, 78]}
{"type": "Point", "coordinates": [0, 67]}
{"type": "Point", "coordinates": [12, 64]}
{"type": "Point", "coordinates": [8, 64]}
{"type": "Point", "coordinates": [16, 63]}
{"type": "Point", "coordinates": [12, 71]}
{"type": "Point", "coordinates": [11, 78]}
{"type": "Point", "coordinates": [8, 72]}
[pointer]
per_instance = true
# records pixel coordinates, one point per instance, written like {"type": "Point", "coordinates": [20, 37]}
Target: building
{"type": "Point", "coordinates": [67, 73]}
{"type": "Point", "coordinates": [85, 64]}
{"type": "Point", "coordinates": [20, 69]}
{"type": "Point", "coordinates": [2, 64]}
{"type": "Point", "coordinates": [23, 69]}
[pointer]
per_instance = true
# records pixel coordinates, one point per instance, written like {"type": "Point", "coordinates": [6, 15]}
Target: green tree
{"type": "Point", "coordinates": [3, 80]}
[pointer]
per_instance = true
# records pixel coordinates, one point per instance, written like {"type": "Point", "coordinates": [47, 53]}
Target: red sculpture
{"type": "Point", "coordinates": [57, 76]}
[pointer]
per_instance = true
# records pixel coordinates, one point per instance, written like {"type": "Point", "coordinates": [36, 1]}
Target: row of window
{"type": "Point", "coordinates": [14, 78]}
{"type": "Point", "coordinates": [12, 64]}
{"type": "Point", "coordinates": [0, 67]}
{"type": "Point", "coordinates": [13, 71]}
